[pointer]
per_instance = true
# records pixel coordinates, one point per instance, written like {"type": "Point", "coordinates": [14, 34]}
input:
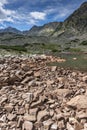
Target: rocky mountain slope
{"type": "Point", "coordinates": [10, 30]}
{"type": "Point", "coordinates": [74, 26]}
{"type": "Point", "coordinates": [45, 30]}
{"type": "Point", "coordinates": [78, 20]}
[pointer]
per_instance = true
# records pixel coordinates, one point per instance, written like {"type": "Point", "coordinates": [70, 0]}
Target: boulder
{"type": "Point", "coordinates": [62, 92]}
{"type": "Point", "coordinates": [79, 102]}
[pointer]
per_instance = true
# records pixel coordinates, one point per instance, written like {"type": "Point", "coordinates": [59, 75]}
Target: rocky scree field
{"type": "Point", "coordinates": [34, 96]}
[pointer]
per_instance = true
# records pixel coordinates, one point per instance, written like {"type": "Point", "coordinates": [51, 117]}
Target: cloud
{"type": "Point", "coordinates": [19, 16]}
{"type": "Point", "coordinates": [58, 13]}
{"type": "Point", "coordinates": [5, 14]}
{"type": "Point", "coordinates": [28, 13]}
{"type": "Point", "coordinates": [38, 15]}
{"type": "Point", "coordinates": [2, 3]}
{"type": "Point", "coordinates": [63, 13]}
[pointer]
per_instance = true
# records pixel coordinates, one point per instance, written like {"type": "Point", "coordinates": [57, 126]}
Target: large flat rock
{"type": "Point", "coordinates": [79, 102]}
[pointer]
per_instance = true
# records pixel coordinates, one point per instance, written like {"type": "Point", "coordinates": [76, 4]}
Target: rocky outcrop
{"type": "Point", "coordinates": [34, 96]}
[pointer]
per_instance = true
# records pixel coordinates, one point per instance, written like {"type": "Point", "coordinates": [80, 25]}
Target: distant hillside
{"type": "Point", "coordinates": [45, 30]}
{"type": "Point", "coordinates": [78, 20]}
{"type": "Point", "coordinates": [74, 28]}
{"type": "Point", "coordinates": [11, 30]}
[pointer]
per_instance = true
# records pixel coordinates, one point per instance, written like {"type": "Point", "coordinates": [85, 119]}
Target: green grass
{"type": "Point", "coordinates": [51, 47]}
{"type": "Point", "coordinates": [75, 50]}
{"type": "Point", "coordinates": [84, 43]}
{"type": "Point", "coordinates": [42, 48]}
{"type": "Point", "coordinates": [14, 48]}
{"type": "Point", "coordinates": [13, 38]}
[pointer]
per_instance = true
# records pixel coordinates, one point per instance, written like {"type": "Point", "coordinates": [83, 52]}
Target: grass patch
{"type": "Point", "coordinates": [84, 43]}
{"type": "Point", "coordinates": [14, 48]}
{"type": "Point", "coordinates": [52, 47]}
{"type": "Point", "coordinates": [75, 50]}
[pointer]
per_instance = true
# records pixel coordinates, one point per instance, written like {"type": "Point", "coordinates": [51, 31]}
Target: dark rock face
{"type": "Point", "coordinates": [78, 19]}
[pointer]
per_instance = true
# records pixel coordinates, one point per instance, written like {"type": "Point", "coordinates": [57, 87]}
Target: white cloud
{"type": "Point", "coordinates": [23, 15]}
{"type": "Point", "coordinates": [5, 14]}
{"type": "Point", "coordinates": [38, 15]}
{"type": "Point", "coordinates": [63, 13]}
{"type": "Point", "coordinates": [18, 16]}
{"type": "Point", "coordinates": [3, 2]}
{"type": "Point", "coordinates": [59, 12]}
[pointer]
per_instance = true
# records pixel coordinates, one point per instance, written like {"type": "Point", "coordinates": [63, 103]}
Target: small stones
{"type": "Point", "coordinates": [27, 125]}
{"type": "Point", "coordinates": [47, 124]}
{"type": "Point", "coordinates": [32, 115]}
{"type": "Point", "coordinates": [62, 92]}
{"type": "Point", "coordinates": [29, 117]}
{"type": "Point", "coordinates": [34, 96]}
{"type": "Point", "coordinates": [69, 127]}
{"type": "Point", "coordinates": [82, 115]}
{"type": "Point", "coordinates": [50, 82]}
{"type": "Point", "coordinates": [53, 68]}
{"type": "Point", "coordinates": [61, 124]}
{"type": "Point", "coordinates": [85, 126]}
{"type": "Point", "coordinates": [42, 114]}
{"type": "Point", "coordinates": [37, 103]}
{"type": "Point", "coordinates": [84, 79]}
{"type": "Point", "coordinates": [21, 111]}
{"type": "Point", "coordinates": [37, 74]}
{"type": "Point", "coordinates": [3, 99]}
{"type": "Point", "coordinates": [8, 108]}
{"type": "Point", "coordinates": [11, 117]}
{"type": "Point", "coordinates": [25, 67]}
{"type": "Point", "coordinates": [28, 97]}
{"type": "Point", "coordinates": [59, 116]}
{"type": "Point", "coordinates": [26, 80]}
{"type": "Point", "coordinates": [3, 118]}
{"type": "Point", "coordinates": [54, 127]}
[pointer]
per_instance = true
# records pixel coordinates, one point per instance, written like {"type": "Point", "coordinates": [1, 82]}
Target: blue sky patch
{"type": "Point", "coordinates": [23, 14]}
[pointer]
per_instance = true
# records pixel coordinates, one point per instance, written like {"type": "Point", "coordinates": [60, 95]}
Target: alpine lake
{"type": "Point", "coordinates": [73, 61]}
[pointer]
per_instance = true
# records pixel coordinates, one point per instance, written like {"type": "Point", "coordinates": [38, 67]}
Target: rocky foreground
{"type": "Point", "coordinates": [34, 96]}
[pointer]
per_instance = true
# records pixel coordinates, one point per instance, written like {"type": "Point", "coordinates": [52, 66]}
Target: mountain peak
{"type": "Point", "coordinates": [83, 4]}
{"type": "Point", "coordinates": [9, 27]}
{"type": "Point", "coordinates": [10, 30]}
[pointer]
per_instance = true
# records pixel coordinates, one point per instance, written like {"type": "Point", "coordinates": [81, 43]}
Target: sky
{"type": "Point", "coordinates": [23, 14]}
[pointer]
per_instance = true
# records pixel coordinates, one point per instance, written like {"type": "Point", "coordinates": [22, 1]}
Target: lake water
{"type": "Point", "coordinates": [79, 64]}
